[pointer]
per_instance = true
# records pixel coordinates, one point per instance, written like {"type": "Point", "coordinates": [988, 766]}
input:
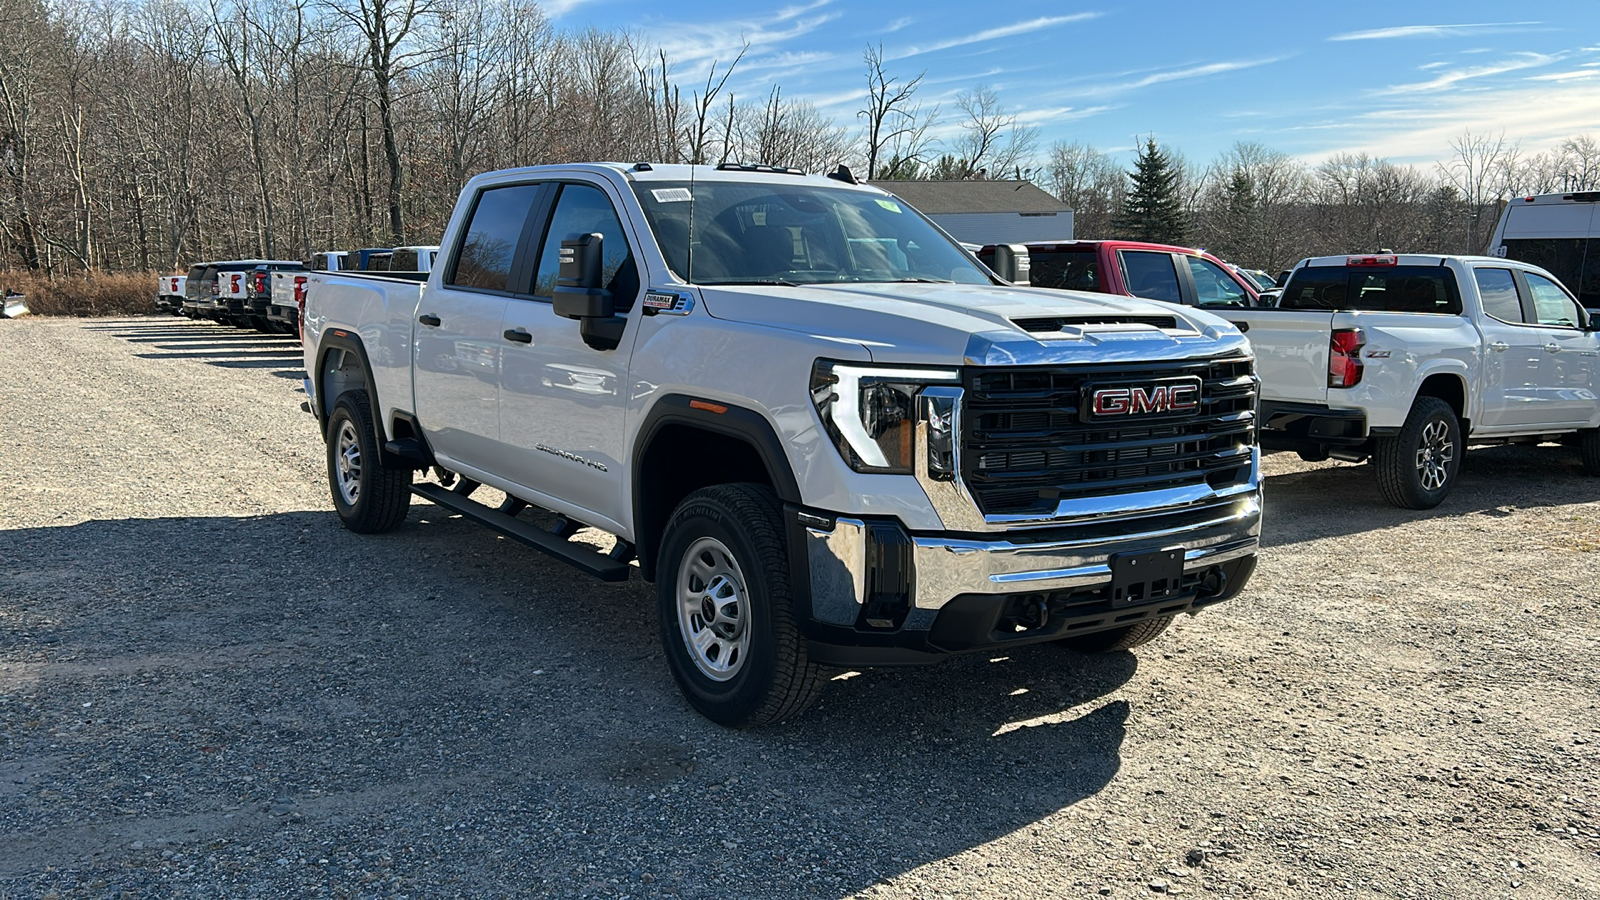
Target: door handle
{"type": "Point", "coordinates": [1500, 346]}
{"type": "Point", "coordinates": [429, 319]}
{"type": "Point", "coordinates": [519, 335]}
{"type": "Point", "coordinates": [1552, 348]}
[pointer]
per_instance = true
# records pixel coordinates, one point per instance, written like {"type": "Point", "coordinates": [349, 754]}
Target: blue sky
{"type": "Point", "coordinates": [1397, 79]}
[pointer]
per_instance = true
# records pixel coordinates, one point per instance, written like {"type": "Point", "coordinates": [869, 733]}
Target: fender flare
{"type": "Point", "coordinates": [1470, 399]}
{"type": "Point", "coordinates": [737, 422]}
{"type": "Point", "coordinates": [350, 342]}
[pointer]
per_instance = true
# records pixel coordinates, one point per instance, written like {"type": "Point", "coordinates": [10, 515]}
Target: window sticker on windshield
{"type": "Point", "coordinates": [890, 205]}
{"type": "Point", "coordinates": [672, 195]}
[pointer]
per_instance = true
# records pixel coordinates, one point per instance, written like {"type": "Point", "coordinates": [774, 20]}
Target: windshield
{"type": "Point", "coordinates": [754, 233]}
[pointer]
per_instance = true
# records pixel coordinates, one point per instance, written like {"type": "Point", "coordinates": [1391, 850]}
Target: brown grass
{"type": "Point", "coordinates": [101, 294]}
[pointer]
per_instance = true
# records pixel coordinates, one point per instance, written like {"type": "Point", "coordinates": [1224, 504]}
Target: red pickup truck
{"type": "Point", "coordinates": [1134, 269]}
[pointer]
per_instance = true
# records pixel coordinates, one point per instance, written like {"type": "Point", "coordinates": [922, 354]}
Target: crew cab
{"type": "Point", "coordinates": [1406, 359]}
{"type": "Point", "coordinates": [169, 293]}
{"type": "Point", "coordinates": [824, 431]}
{"type": "Point", "coordinates": [258, 295]}
{"type": "Point", "coordinates": [1132, 268]}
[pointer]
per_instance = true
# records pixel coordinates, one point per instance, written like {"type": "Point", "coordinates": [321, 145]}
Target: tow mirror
{"type": "Point", "coordinates": [1011, 263]}
{"type": "Point", "coordinates": [578, 294]}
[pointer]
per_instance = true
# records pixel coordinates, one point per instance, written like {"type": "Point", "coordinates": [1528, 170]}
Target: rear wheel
{"type": "Point", "coordinates": [1589, 448]}
{"type": "Point", "coordinates": [726, 617]}
{"type": "Point", "coordinates": [370, 497]}
{"type": "Point", "coordinates": [1418, 467]}
{"type": "Point", "coordinates": [1125, 638]}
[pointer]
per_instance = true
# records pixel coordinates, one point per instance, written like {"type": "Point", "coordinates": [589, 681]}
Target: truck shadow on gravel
{"type": "Point", "coordinates": [1336, 499]}
{"type": "Point", "coordinates": [222, 346]}
{"type": "Point", "coordinates": [283, 706]}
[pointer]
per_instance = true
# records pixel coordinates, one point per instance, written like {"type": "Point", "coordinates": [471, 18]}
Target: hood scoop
{"type": "Point", "coordinates": [1098, 322]}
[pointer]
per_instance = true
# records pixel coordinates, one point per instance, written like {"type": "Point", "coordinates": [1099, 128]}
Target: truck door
{"type": "Point", "coordinates": [1567, 382]}
{"type": "Point", "coordinates": [1512, 355]}
{"type": "Point", "coordinates": [562, 402]}
{"type": "Point", "coordinates": [456, 373]}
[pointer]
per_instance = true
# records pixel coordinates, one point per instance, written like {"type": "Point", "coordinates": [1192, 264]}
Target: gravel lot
{"type": "Point", "coordinates": [208, 688]}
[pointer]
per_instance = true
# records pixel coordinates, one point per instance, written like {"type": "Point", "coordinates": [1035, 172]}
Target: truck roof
{"type": "Point", "coordinates": [682, 172]}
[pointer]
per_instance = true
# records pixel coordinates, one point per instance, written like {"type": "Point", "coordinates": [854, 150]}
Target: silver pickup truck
{"type": "Point", "coordinates": [821, 427]}
{"type": "Point", "coordinates": [1408, 359]}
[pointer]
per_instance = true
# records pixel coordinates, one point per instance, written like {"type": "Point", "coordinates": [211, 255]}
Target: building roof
{"type": "Point", "coordinates": [936, 198]}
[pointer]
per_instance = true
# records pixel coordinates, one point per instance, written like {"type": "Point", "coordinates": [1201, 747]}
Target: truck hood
{"type": "Point", "coordinates": [954, 324]}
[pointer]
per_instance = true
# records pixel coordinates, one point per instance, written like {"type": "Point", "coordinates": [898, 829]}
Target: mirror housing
{"type": "Point", "coordinates": [578, 294]}
{"type": "Point", "coordinates": [1011, 263]}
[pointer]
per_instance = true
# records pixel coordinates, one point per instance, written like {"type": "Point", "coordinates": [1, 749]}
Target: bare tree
{"type": "Point", "coordinates": [897, 128]}
{"type": "Point", "coordinates": [1089, 181]}
{"type": "Point", "coordinates": [700, 122]}
{"type": "Point", "coordinates": [1482, 172]}
{"type": "Point", "coordinates": [992, 141]}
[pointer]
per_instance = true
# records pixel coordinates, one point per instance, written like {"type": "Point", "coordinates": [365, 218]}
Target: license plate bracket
{"type": "Point", "coordinates": [1147, 577]}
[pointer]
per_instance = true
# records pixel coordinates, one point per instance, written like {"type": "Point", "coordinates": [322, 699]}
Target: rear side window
{"type": "Point", "coordinates": [1417, 289]}
{"type": "Point", "coordinates": [493, 232]}
{"type": "Point", "coordinates": [1066, 270]}
{"type": "Point", "coordinates": [1551, 304]}
{"type": "Point", "coordinates": [1498, 290]}
{"type": "Point", "coordinates": [1151, 275]}
{"type": "Point", "coordinates": [1213, 287]}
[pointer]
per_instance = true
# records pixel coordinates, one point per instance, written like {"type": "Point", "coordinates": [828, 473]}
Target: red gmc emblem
{"type": "Point", "coordinates": [1175, 396]}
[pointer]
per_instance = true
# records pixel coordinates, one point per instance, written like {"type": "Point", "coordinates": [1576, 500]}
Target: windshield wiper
{"type": "Point", "coordinates": [773, 281]}
{"type": "Point", "coordinates": [920, 281]}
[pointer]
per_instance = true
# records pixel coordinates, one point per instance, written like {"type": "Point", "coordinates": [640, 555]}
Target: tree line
{"type": "Point", "coordinates": [147, 135]}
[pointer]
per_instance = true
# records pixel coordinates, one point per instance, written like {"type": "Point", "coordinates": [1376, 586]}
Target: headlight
{"type": "Point", "coordinates": [871, 411]}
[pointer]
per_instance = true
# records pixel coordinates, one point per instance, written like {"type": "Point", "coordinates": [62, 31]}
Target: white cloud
{"type": "Point", "coordinates": [1576, 75]}
{"type": "Point", "coordinates": [1456, 76]}
{"type": "Point", "coordinates": [991, 34]}
{"type": "Point", "coordinates": [1538, 118]}
{"type": "Point", "coordinates": [1169, 75]}
{"type": "Point", "coordinates": [555, 9]}
{"type": "Point", "coordinates": [1432, 31]}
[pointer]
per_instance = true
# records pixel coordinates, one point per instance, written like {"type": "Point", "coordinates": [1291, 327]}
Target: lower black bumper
{"type": "Point", "coordinates": [1310, 426]}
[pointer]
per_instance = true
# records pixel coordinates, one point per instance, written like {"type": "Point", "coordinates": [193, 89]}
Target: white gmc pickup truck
{"type": "Point", "coordinates": [826, 433]}
{"type": "Point", "coordinates": [1407, 359]}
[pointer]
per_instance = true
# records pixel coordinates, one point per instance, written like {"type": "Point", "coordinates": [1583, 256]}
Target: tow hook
{"type": "Point", "coordinates": [1214, 582]}
{"type": "Point", "coordinates": [1034, 617]}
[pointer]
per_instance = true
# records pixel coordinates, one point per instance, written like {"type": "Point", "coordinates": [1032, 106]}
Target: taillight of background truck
{"type": "Point", "coordinates": [1344, 357]}
{"type": "Point", "coordinates": [261, 283]}
{"type": "Point", "coordinates": [233, 283]}
{"type": "Point", "coordinates": [300, 301]}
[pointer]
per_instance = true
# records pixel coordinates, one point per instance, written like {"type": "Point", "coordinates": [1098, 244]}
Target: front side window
{"type": "Point", "coordinates": [722, 232]}
{"type": "Point", "coordinates": [1551, 305]}
{"type": "Point", "coordinates": [1498, 290]}
{"type": "Point", "coordinates": [585, 209]}
{"type": "Point", "coordinates": [1213, 287]}
{"type": "Point", "coordinates": [493, 232]}
{"type": "Point", "coordinates": [1151, 275]}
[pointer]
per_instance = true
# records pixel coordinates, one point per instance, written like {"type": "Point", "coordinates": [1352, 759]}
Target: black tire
{"type": "Point", "coordinates": [1589, 449]}
{"type": "Point", "coordinates": [1418, 467]}
{"type": "Point", "coordinates": [752, 667]}
{"type": "Point", "coordinates": [378, 496]}
{"type": "Point", "coordinates": [1125, 638]}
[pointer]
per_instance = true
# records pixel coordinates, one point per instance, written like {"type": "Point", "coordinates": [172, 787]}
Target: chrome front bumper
{"type": "Point", "coordinates": [1069, 558]}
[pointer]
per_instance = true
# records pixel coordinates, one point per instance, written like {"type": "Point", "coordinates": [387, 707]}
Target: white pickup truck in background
{"type": "Point", "coordinates": [824, 430]}
{"type": "Point", "coordinates": [1407, 359]}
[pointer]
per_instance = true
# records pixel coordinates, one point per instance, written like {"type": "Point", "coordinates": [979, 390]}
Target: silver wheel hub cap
{"type": "Point", "coordinates": [713, 609]}
{"type": "Point", "coordinates": [347, 462]}
{"type": "Point", "coordinates": [1435, 453]}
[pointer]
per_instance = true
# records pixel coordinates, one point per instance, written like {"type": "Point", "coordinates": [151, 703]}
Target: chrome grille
{"type": "Point", "coordinates": [1025, 447]}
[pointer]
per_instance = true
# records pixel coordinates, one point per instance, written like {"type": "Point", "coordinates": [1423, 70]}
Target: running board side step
{"type": "Point", "coordinates": [579, 556]}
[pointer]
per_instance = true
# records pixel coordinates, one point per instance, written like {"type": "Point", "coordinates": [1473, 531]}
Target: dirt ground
{"type": "Point", "coordinates": [209, 688]}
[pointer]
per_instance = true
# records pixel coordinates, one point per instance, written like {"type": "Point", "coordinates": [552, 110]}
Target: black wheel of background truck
{"type": "Point", "coordinates": [727, 622]}
{"type": "Point", "coordinates": [1589, 448]}
{"type": "Point", "coordinates": [371, 498]}
{"type": "Point", "coordinates": [1125, 638]}
{"type": "Point", "coordinates": [1418, 466]}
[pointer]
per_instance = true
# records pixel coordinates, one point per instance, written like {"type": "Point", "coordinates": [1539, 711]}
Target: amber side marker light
{"type": "Point", "coordinates": [717, 408]}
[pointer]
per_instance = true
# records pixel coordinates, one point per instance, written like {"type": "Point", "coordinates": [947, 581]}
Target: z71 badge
{"type": "Point", "coordinates": [663, 303]}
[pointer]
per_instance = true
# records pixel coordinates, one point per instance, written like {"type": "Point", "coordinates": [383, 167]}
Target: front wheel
{"type": "Point", "coordinates": [370, 497]}
{"type": "Point", "coordinates": [1589, 448]}
{"type": "Point", "coordinates": [1418, 467]}
{"type": "Point", "coordinates": [726, 617]}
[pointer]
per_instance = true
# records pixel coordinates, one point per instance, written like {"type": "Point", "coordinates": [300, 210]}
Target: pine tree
{"type": "Point", "coordinates": [1152, 210]}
